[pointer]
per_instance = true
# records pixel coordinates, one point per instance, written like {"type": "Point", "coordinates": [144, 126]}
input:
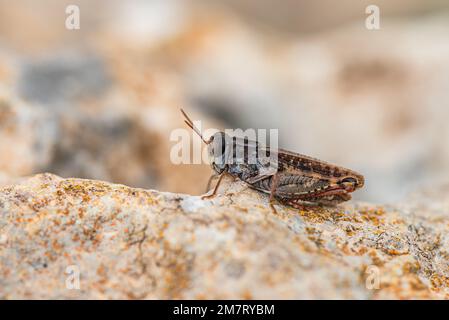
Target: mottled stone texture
{"type": "Point", "coordinates": [135, 243]}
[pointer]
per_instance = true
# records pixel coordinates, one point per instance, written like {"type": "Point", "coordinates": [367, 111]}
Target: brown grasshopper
{"type": "Point", "coordinates": [290, 178]}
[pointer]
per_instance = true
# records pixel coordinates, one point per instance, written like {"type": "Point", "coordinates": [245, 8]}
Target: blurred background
{"type": "Point", "coordinates": [100, 102]}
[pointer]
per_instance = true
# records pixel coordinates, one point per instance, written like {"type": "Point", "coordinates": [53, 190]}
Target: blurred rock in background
{"type": "Point", "coordinates": [100, 102]}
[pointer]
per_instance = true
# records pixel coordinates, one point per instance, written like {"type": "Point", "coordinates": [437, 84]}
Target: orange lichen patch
{"type": "Point", "coordinates": [151, 201]}
{"type": "Point", "coordinates": [316, 215]}
{"type": "Point", "coordinates": [361, 251]}
{"type": "Point", "coordinates": [394, 252]}
{"type": "Point", "coordinates": [344, 216]}
{"type": "Point", "coordinates": [351, 230]}
{"type": "Point", "coordinates": [404, 290]}
{"type": "Point", "coordinates": [38, 204]}
{"type": "Point", "coordinates": [397, 221]}
{"type": "Point", "coordinates": [376, 260]}
{"type": "Point", "coordinates": [98, 237]}
{"type": "Point", "coordinates": [81, 213]}
{"type": "Point", "coordinates": [84, 188]}
{"type": "Point", "coordinates": [315, 236]}
{"type": "Point", "coordinates": [87, 191]}
{"type": "Point", "coordinates": [411, 267]}
{"type": "Point", "coordinates": [416, 284]}
{"type": "Point", "coordinates": [56, 245]}
{"type": "Point", "coordinates": [373, 215]}
{"type": "Point", "coordinates": [439, 282]}
{"type": "Point", "coordinates": [344, 247]}
{"type": "Point", "coordinates": [101, 271]}
{"type": "Point", "coordinates": [64, 211]}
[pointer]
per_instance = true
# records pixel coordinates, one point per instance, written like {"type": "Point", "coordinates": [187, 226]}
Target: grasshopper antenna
{"type": "Point", "coordinates": [189, 122]}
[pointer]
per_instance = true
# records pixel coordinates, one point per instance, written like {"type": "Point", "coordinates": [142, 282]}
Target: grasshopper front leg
{"type": "Point", "coordinates": [212, 177]}
{"type": "Point", "coordinates": [214, 192]}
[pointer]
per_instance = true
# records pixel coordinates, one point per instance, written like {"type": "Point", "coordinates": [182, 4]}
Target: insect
{"type": "Point", "coordinates": [288, 177]}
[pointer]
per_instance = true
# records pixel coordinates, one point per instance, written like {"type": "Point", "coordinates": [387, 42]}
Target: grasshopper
{"type": "Point", "coordinates": [290, 178]}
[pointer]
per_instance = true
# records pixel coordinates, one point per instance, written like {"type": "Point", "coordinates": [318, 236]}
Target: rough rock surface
{"type": "Point", "coordinates": [135, 243]}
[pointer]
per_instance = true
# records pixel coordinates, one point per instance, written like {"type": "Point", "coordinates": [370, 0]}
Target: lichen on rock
{"type": "Point", "coordinates": [132, 243]}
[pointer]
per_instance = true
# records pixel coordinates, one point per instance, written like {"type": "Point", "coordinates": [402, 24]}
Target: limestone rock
{"type": "Point", "coordinates": [132, 243]}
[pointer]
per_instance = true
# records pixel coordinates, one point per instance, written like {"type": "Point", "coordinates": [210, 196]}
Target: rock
{"type": "Point", "coordinates": [132, 243]}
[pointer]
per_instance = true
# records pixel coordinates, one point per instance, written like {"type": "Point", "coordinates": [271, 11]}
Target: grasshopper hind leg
{"type": "Point", "coordinates": [310, 204]}
{"type": "Point", "coordinates": [209, 182]}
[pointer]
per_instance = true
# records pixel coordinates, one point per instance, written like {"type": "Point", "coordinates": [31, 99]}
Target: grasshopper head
{"type": "Point", "coordinates": [217, 147]}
